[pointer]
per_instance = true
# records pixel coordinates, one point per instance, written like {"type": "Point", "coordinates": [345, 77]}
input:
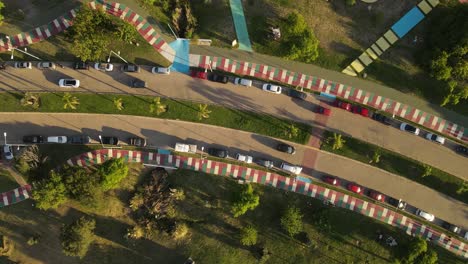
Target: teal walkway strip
{"type": "Point", "coordinates": [241, 26]}
{"type": "Point", "coordinates": [181, 60]}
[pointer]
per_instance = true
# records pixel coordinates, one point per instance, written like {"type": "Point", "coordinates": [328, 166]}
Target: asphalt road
{"type": "Point", "coordinates": [165, 133]}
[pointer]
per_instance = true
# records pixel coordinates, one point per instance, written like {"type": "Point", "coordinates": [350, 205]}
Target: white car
{"type": "Point", "coordinates": [272, 88]}
{"type": "Point", "coordinates": [107, 67]}
{"type": "Point", "coordinates": [57, 139]}
{"type": "Point", "coordinates": [409, 128]}
{"type": "Point", "coordinates": [244, 158]}
{"type": "Point", "coordinates": [435, 138]}
{"type": "Point", "coordinates": [69, 83]}
{"type": "Point", "coordinates": [429, 217]}
{"type": "Point", "coordinates": [243, 82]}
{"type": "Point", "coordinates": [161, 70]}
{"type": "Point", "coordinates": [23, 65]}
{"type": "Point", "coordinates": [8, 152]}
{"type": "Point", "coordinates": [291, 168]}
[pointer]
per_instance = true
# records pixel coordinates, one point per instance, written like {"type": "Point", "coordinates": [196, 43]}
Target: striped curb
{"type": "Point", "coordinates": [15, 196]}
{"type": "Point", "coordinates": [410, 226]}
{"type": "Point", "coordinates": [316, 84]}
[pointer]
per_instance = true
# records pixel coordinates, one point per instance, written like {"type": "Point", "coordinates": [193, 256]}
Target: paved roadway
{"type": "Point", "coordinates": [165, 133]}
{"type": "Point", "coordinates": [184, 87]}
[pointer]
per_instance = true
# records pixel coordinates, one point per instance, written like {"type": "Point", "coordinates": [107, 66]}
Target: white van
{"type": "Point", "coordinates": [244, 158]}
{"type": "Point", "coordinates": [244, 82]}
{"type": "Point", "coordinates": [161, 70]}
{"type": "Point", "coordinates": [291, 168]}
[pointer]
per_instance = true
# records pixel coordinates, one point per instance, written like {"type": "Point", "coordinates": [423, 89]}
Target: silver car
{"type": "Point", "coordinates": [46, 65]}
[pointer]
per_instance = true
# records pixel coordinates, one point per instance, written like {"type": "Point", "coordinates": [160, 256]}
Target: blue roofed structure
{"type": "Point", "coordinates": [407, 22]}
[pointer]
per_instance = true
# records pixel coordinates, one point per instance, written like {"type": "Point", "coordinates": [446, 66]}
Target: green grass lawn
{"type": "Point", "coordinates": [177, 109]}
{"type": "Point", "coordinates": [7, 182]}
{"type": "Point", "coordinates": [400, 165]}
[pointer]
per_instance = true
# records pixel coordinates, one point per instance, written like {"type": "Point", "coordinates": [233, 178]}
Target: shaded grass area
{"type": "Point", "coordinates": [59, 154]}
{"type": "Point", "coordinates": [397, 164]}
{"type": "Point", "coordinates": [177, 109]}
{"type": "Point", "coordinates": [7, 182]}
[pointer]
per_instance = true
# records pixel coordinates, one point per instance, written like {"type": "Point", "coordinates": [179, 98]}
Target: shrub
{"type": "Point", "coordinates": [350, 2]}
{"type": "Point", "coordinates": [246, 200]}
{"type": "Point", "coordinates": [49, 193]}
{"type": "Point", "coordinates": [248, 236]}
{"type": "Point", "coordinates": [181, 230]}
{"type": "Point", "coordinates": [77, 237]}
{"type": "Point", "coordinates": [291, 221]}
{"type": "Point", "coordinates": [112, 172]}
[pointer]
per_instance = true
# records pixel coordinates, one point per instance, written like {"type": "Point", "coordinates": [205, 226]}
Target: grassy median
{"type": "Point", "coordinates": [400, 165]}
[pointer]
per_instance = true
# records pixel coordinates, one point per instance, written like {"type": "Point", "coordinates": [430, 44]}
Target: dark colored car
{"type": "Point", "coordinates": [297, 94]}
{"type": "Point", "coordinates": [381, 118]}
{"type": "Point", "coordinates": [360, 110]}
{"type": "Point", "coordinates": [137, 83]}
{"type": "Point", "coordinates": [79, 139]}
{"type": "Point", "coordinates": [137, 141]}
{"type": "Point", "coordinates": [354, 188]}
{"type": "Point", "coordinates": [342, 105]}
{"type": "Point", "coordinates": [377, 196]}
{"type": "Point", "coordinates": [322, 110]}
{"type": "Point", "coordinates": [453, 228]}
{"type": "Point", "coordinates": [265, 163]}
{"type": "Point", "coordinates": [462, 150]}
{"type": "Point", "coordinates": [33, 139]}
{"type": "Point", "coordinates": [286, 148]}
{"type": "Point", "coordinates": [81, 66]}
{"type": "Point", "coordinates": [218, 78]}
{"type": "Point", "coordinates": [130, 68]}
{"type": "Point", "coordinates": [199, 74]}
{"type": "Point", "coordinates": [400, 204]}
{"type": "Point", "coordinates": [110, 140]}
{"type": "Point", "coordinates": [220, 153]}
{"type": "Point", "coordinates": [331, 180]}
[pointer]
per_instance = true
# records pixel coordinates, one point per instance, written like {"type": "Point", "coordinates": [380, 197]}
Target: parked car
{"type": "Point", "coordinates": [131, 68]}
{"type": "Point", "coordinates": [107, 67]}
{"type": "Point", "coordinates": [137, 83]}
{"type": "Point", "coordinates": [381, 118]}
{"type": "Point", "coordinates": [453, 228]}
{"type": "Point", "coordinates": [409, 128]}
{"type": "Point", "coordinates": [354, 188]}
{"type": "Point", "coordinates": [161, 70]}
{"type": "Point", "coordinates": [291, 168]}
{"type": "Point", "coordinates": [429, 217]}
{"type": "Point", "coordinates": [79, 139]}
{"type": "Point", "coordinates": [23, 65]}
{"type": "Point", "coordinates": [137, 141]}
{"type": "Point", "coordinates": [461, 150]}
{"type": "Point", "coordinates": [199, 74]}
{"type": "Point", "coordinates": [220, 153]}
{"type": "Point", "coordinates": [297, 94]}
{"type": "Point", "coordinates": [331, 180]}
{"type": "Point", "coordinates": [243, 82]}
{"type": "Point", "coordinates": [272, 88]}
{"type": "Point", "coordinates": [360, 110]}
{"type": "Point", "coordinates": [34, 139]}
{"type": "Point", "coordinates": [218, 78]}
{"type": "Point", "coordinates": [46, 65]}
{"type": "Point", "coordinates": [286, 148]}
{"type": "Point", "coordinates": [244, 158]}
{"type": "Point", "coordinates": [81, 66]}
{"type": "Point", "coordinates": [8, 152]}
{"type": "Point", "coordinates": [109, 140]}
{"type": "Point", "coordinates": [343, 105]}
{"type": "Point", "coordinates": [377, 196]}
{"type": "Point", "coordinates": [57, 139]}
{"type": "Point", "coordinates": [435, 138]}
{"type": "Point", "coordinates": [69, 83]}
{"type": "Point", "coordinates": [265, 163]}
{"type": "Point", "coordinates": [400, 204]}
{"type": "Point", "coordinates": [322, 110]}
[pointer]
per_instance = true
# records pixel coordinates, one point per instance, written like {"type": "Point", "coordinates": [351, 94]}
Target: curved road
{"type": "Point", "coordinates": [181, 86]}
{"type": "Point", "coordinates": [165, 133]}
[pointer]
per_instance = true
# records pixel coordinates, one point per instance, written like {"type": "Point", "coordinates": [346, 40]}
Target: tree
{"type": "Point", "coordinates": [157, 107]}
{"type": "Point", "coordinates": [350, 2]}
{"type": "Point", "coordinates": [338, 141]}
{"type": "Point", "coordinates": [125, 31]}
{"type": "Point", "coordinates": [81, 185]}
{"type": "Point", "coordinates": [70, 101]}
{"type": "Point", "coordinates": [248, 236]}
{"type": "Point", "coordinates": [112, 172]}
{"type": "Point", "coordinates": [299, 42]}
{"type": "Point", "coordinates": [246, 200]}
{"type": "Point", "coordinates": [427, 171]}
{"type": "Point", "coordinates": [30, 99]}
{"type": "Point", "coordinates": [291, 131]}
{"type": "Point", "coordinates": [375, 157]}
{"type": "Point", "coordinates": [77, 237]}
{"type": "Point", "coordinates": [203, 111]}
{"type": "Point", "coordinates": [2, 5]}
{"type": "Point", "coordinates": [49, 193]}
{"type": "Point", "coordinates": [417, 247]}
{"type": "Point", "coordinates": [291, 221]}
{"type": "Point", "coordinates": [429, 257]}
{"type": "Point", "coordinates": [118, 104]}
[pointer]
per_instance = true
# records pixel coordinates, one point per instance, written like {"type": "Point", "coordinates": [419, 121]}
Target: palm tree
{"type": "Point", "coordinates": [338, 141]}
{"type": "Point", "coordinates": [291, 131]}
{"type": "Point", "coordinates": [203, 111]}
{"type": "Point", "coordinates": [118, 104]}
{"type": "Point", "coordinates": [30, 99]}
{"type": "Point", "coordinates": [157, 107]}
{"type": "Point", "coordinates": [70, 101]}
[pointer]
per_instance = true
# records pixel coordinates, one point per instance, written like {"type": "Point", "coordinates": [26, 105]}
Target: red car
{"type": "Point", "coordinates": [360, 110]}
{"type": "Point", "coordinates": [331, 180]}
{"type": "Point", "coordinates": [342, 105]}
{"type": "Point", "coordinates": [322, 110]}
{"type": "Point", "coordinates": [377, 196]}
{"type": "Point", "coordinates": [354, 188]}
{"type": "Point", "coordinates": [199, 74]}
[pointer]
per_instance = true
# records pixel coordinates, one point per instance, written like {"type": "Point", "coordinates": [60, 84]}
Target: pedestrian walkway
{"type": "Point", "coordinates": [181, 60]}
{"type": "Point", "coordinates": [375, 211]}
{"type": "Point", "coordinates": [240, 25]}
{"type": "Point", "coordinates": [15, 196]}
